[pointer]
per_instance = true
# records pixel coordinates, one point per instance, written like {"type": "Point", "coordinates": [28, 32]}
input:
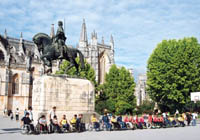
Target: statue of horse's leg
{"type": "Point", "coordinates": [69, 67]}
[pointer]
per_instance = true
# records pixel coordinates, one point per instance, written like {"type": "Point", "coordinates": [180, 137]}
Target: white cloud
{"type": "Point", "coordinates": [137, 25]}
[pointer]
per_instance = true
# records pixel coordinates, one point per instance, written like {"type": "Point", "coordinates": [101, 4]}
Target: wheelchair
{"type": "Point", "coordinates": [25, 129]}
{"type": "Point", "coordinates": [91, 127]}
{"type": "Point", "coordinates": [116, 126]}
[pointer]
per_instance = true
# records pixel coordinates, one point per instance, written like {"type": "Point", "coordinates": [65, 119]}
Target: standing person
{"type": "Point", "coordinates": [52, 113]}
{"type": "Point", "coordinates": [25, 111]}
{"type": "Point", "coordinates": [194, 117]}
{"type": "Point", "coordinates": [17, 114]}
{"type": "Point", "coordinates": [30, 113]}
{"type": "Point", "coordinates": [188, 117]}
{"type": "Point", "coordinates": [11, 115]}
{"type": "Point", "coordinates": [5, 112]}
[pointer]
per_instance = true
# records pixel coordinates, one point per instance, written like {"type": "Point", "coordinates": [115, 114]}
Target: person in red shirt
{"type": "Point", "coordinates": [128, 122]}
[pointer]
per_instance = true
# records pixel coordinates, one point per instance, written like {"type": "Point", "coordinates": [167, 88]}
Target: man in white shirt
{"type": "Point", "coordinates": [194, 117]}
{"type": "Point", "coordinates": [30, 113]}
{"type": "Point", "coordinates": [52, 113]}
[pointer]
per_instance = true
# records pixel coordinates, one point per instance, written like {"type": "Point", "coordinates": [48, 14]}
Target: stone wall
{"type": "Point", "coordinates": [69, 95]}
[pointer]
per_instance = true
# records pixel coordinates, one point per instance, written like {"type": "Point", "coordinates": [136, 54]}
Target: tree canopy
{"type": "Point", "coordinates": [173, 72]}
{"type": "Point", "coordinates": [117, 93]}
{"type": "Point", "coordinates": [88, 72]}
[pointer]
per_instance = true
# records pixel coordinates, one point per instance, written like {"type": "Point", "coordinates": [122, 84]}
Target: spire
{"type": "Point", "coordinates": [21, 35]}
{"type": "Point", "coordinates": [94, 35]}
{"type": "Point", "coordinates": [83, 36]}
{"type": "Point", "coordinates": [52, 33]}
{"type": "Point", "coordinates": [5, 34]}
{"type": "Point", "coordinates": [21, 45]}
{"type": "Point", "coordinates": [102, 41]}
{"type": "Point", "coordinates": [111, 39]}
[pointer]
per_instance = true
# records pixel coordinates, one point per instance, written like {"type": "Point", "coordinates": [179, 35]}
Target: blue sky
{"type": "Point", "coordinates": [137, 25]}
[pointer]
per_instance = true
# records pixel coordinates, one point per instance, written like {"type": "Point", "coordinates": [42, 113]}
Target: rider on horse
{"type": "Point", "coordinates": [60, 39]}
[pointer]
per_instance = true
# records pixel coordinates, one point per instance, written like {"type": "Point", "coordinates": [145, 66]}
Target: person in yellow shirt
{"type": "Point", "coordinates": [181, 121]}
{"type": "Point", "coordinates": [64, 124]}
{"type": "Point", "coordinates": [95, 121]}
{"type": "Point", "coordinates": [74, 119]}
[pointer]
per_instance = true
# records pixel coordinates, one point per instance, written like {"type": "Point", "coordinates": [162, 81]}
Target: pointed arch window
{"type": "Point", "coordinates": [1, 56]}
{"type": "Point", "coordinates": [15, 84]}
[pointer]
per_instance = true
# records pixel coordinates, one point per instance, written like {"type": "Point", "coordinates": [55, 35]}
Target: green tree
{"type": "Point", "coordinates": [116, 94]}
{"type": "Point", "coordinates": [173, 72]}
{"type": "Point", "coordinates": [146, 107]}
{"type": "Point", "coordinates": [88, 72]}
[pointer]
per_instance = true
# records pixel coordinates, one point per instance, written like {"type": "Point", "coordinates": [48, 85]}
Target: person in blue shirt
{"type": "Point", "coordinates": [119, 120]}
{"type": "Point", "coordinates": [106, 121]}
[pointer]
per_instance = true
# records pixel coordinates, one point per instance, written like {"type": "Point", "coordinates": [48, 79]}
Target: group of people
{"type": "Point", "coordinates": [54, 126]}
{"type": "Point", "coordinates": [12, 114]}
{"type": "Point", "coordinates": [108, 121]}
{"type": "Point", "coordinates": [156, 120]}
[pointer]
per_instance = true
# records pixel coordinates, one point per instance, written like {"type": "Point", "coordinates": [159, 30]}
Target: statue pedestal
{"type": "Point", "coordinates": [69, 95]}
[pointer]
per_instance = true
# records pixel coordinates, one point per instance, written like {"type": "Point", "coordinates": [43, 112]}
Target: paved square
{"type": "Point", "coordinates": [9, 130]}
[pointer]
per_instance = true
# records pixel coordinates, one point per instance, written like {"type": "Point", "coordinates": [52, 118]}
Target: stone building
{"type": "Point", "coordinates": [20, 64]}
{"type": "Point", "coordinates": [140, 89]}
{"type": "Point", "coordinates": [18, 68]}
{"type": "Point", "coordinates": [98, 54]}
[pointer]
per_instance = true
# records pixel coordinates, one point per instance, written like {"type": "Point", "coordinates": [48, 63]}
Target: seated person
{"type": "Point", "coordinates": [27, 121]}
{"type": "Point", "coordinates": [79, 123]}
{"type": "Point", "coordinates": [95, 121]}
{"type": "Point", "coordinates": [56, 124]}
{"type": "Point", "coordinates": [73, 122]}
{"type": "Point", "coordinates": [181, 121]}
{"type": "Point", "coordinates": [43, 123]}
{"type": "Point", "coordinates": [161, 121]}
{"type": "Point", "coordinates": [106, 121]}
{"type": "Point", "coordinates": [150, 119]}
{"type": "Point", "coordinates": [141, 122]}
{"type": "Point", "coordinates": [63, 123]}
{"type": "Point", "coordinates": [119, 120]}
{"type": "Point", "coordinates": [155, 120]}
{"type": "Point", "coordinates": [127, 122]}
{"type": "Point", "coordinates": [114, 122]}
{"type": "Point", "coordinates": [172, 121]}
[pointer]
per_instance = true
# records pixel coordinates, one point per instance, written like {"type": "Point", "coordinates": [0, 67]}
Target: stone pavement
{"type": "Point", "coordinates": [9, 130]}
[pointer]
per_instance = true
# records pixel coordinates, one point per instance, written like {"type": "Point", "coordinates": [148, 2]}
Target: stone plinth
{"type": "Point", "coordinates": [69, 95]}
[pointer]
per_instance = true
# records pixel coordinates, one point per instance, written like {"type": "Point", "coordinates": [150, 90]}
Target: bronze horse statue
{"type": "Point", "coordinates": [48, 51]}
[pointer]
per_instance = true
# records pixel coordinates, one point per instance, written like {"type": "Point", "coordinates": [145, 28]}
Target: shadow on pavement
{"type": "Point", "coordinates": [10, 130]}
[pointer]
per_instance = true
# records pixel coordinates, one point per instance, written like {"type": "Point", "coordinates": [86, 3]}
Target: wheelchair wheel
{"type": "Point", "coordinates": [90, 127]}
{"type": "Point", "coordinates": [25, 129]}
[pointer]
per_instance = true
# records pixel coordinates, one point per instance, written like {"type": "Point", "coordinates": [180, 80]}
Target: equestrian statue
{"type": "Point", "coordinates": [55, 49]}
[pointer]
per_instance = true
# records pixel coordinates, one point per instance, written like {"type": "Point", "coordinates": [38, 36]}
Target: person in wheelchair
{"type": "Point", "coordinates": [122, 124]}
{"type": "Point", "coordinates": [73, 123]}
{"type": "Point", "coordinates": [64, 124]}
{"type": "Point", "coordinates": [128, 123]}
{"type": "Point", "coordinates": [80, 125]}
{"type": "Point", "coordinates": [181, 121]}
{"type": "Point", "coordinates": [106, 122]}
{"type": "Point", "coordinates": [43, 124]}
{"type": "Point", "coordinates": [56, 127]}
{"type": "Point", "coordinates": [26, 122]}
{"type": "Point", "coordinates": [95, 122]}
{"type": "Point", "coordinates": [115, 123]}
{"type": "Point", "coordinates": [173, 121]}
